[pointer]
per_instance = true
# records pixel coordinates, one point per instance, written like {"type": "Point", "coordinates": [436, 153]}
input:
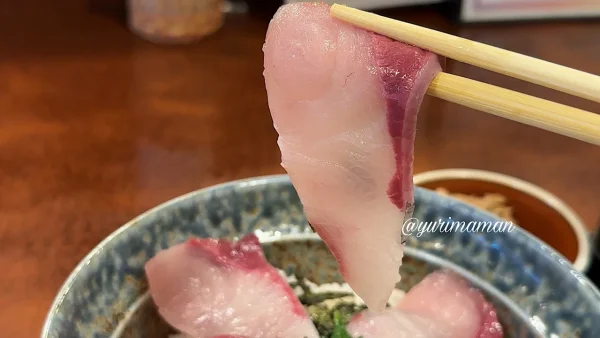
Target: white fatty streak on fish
{"type": "Point", "coordinates": [327, 106]}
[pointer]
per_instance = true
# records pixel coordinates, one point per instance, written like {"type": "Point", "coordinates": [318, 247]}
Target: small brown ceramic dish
{"type": "Point", "coordinates": [533, 208]}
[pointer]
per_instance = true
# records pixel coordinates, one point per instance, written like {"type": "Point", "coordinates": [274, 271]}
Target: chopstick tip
{"type": "Point", "coordinates": [335, 7]}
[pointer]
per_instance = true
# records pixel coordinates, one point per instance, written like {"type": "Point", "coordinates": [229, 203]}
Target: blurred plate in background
{"type": "Point", "coordinates": [532, 208]}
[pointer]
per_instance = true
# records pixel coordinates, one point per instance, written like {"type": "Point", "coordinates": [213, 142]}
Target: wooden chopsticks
{"type": "Point", "coordinates": [561, 119]}
{"type": "Point", "coordinates": [576, 123]}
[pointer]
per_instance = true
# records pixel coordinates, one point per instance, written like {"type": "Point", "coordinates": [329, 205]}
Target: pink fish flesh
{"type": "Point", "coordinates": [442, 305]}
{"type": "Point", "coordinates": [394, 323]}
{"type": "Point", "coordinates": [344, 102]}
{"type": "Point", "coordinates": [448, 299]}
{"type": "Point", "coordinates": [218, 288]}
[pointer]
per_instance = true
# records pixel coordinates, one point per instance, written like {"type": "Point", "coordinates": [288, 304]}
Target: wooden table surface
{"type": "Point", "coordinates": [97, 126]}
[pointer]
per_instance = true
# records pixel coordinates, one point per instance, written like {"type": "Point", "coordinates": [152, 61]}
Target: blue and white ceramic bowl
{"type": "Point", "coordinates": [536, 291]}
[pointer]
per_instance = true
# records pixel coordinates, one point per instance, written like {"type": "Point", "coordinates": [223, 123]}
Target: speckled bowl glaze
{"type": "Point", "coordinates": [536, 291]}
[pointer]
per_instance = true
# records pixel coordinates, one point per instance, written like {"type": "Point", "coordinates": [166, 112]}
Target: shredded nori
{"type": "Point", "coordinates": [312, 299]}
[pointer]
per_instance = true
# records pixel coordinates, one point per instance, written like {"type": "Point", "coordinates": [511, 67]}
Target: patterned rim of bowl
{"type": "Point", "coordinates": [584, 250]}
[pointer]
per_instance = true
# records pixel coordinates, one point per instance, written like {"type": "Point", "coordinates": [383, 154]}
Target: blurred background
{"type": "Point", "coordinates": [110, 107]}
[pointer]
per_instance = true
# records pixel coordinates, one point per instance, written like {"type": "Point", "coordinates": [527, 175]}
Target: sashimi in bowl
{"type": "Point", "coordinates": [534, 290]}
{"type": "Point", "coordinates": [207, 288]}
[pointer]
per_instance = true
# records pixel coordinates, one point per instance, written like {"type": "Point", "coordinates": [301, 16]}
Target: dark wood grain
{"type": "Point", "coordinates": [97, 126]}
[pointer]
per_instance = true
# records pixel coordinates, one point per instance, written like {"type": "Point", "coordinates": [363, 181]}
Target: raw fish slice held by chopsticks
{"type": "Point", "coordinates": [217, 288]}
{"type": "Point", "coordinates": [344, 102]}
